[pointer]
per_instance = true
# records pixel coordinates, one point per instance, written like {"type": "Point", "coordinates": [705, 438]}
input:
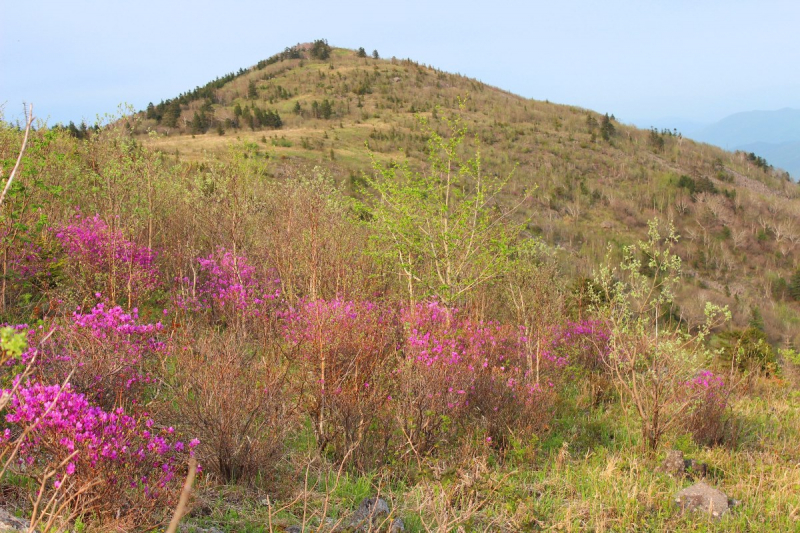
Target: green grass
{"type": "Point", "coordinates": [586, 474]}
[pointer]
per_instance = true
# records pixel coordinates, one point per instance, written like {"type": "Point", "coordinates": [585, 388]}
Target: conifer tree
{"type": "Point", "coordinates": [607, 129]}
{"type": "Point", "coordinates": [794, 285]}
{"type": "Point", "coordinates": [320, 50]}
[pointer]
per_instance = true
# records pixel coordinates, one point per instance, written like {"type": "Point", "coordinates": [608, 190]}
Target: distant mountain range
{"type": "Point", "coordinates": [773, 135]}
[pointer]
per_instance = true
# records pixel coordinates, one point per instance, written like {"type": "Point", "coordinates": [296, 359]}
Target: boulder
{"type": "Point", "coordinates": [397, 526]}
{"type": "Point", "coordinates": [703, 498]}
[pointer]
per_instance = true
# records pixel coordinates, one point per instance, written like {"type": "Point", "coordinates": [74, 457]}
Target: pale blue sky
{"type": "Point", "coordinates": [698, 60]}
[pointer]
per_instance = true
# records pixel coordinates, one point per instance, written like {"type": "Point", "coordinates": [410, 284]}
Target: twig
{"type": "Point", "coordinates": [29, 122]}
{"type": "Point", "coordinates": [184, 500]}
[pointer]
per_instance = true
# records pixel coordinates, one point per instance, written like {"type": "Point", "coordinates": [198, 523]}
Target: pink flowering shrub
{"type": "Point", "coordinates": [583, 344]}
{"type": "Point", "coordinates": [100, 258]}
{"type": "Point", "coordinates": [706, 419]}
{"type": "Point", "coordinates": [344, 352]}
{"type": "Point", "coordinates": [228, 289]}
{"type": "Point", "coordinates": [461, 372]}
{"type": "Point", "coordinates": [578, 352]}
{"type": "Point", "coordinates": [110, 352]}
{"type": "Point", "coordinates": [102, 462]}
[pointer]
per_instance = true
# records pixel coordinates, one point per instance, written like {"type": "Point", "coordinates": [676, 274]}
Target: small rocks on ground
{"type": "Point", "coordinates": [370, 512]}
{"type": "Point", "coordinates": [397, 526]}
{"type": "Point", "coordinates": [10, 523]}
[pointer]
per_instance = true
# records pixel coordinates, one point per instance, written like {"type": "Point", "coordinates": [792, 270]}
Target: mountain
{"type": "Point", "coordinates": [595, 182]}
{"type": "Point", "coordinates": [750, 127]}
{"type": "Point", "coordinates": [773, 135]}
{"type": "Point", "coordinates": [784, 155]}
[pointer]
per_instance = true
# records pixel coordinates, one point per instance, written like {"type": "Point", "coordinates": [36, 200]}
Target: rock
{"type": "Point", "coordinates": [370, 512]}
{"type": "Point", "coordinates": [294, 529]}
{"type": "Point", "coordinates": [674, 464]}
{"type": "Point", "coordinates": [10, 523]}
{"type": "Point", "coordinates": [397, 526]}
{"type": "Point", "coordinates": [702, 497]}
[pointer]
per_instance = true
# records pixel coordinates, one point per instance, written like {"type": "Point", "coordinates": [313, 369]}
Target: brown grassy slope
{"type": "Point", "coordinates": [738, 244]}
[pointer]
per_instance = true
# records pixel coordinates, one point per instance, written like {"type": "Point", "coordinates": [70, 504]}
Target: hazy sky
{"type": "Point", "coordinates": [698, 60]}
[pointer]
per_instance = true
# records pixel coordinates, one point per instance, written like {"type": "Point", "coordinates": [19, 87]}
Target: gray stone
{"type": "Point", "coordinates": [397, 526]}
{"type": "Point", "coordinates": [674, 464]}
{"type": "Point", "coordinates": [10, 523]}
{"type": "Point", "coordinates": [294, 529]}
{"type": "Point", "coordinates": [370, 512]}
{"type": "Point", "coordinates": [704, 498]}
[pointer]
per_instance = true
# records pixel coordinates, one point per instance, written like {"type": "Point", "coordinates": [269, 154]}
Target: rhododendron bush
{"type": "Point", "coordinates": [709, 395]}
{"type": "Point", "coordinates": [101, 259]}
{"type": "Point", "coordinates": [411, 381]}
{"type": "Point", "coordinates": [110, 353]}
{"type": "Point", "coordinates": [227, 289]}
{"type": "Point", "coordinates": [344, 352]}
{"type": "Point", "coordinates": [459, 372]}
{"type": "Point", "coordinates": [108, 462]}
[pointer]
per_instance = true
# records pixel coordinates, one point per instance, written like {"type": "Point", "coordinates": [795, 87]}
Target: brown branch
{"type": "Point", "coordinates": [29, 122]}
{"type": "Point", "coordinates": [184, 500]}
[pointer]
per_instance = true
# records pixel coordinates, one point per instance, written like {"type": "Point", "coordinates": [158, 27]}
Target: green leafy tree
{"type": "Point", "coordinates": [252, 90]}
{"type": "Point", "coordinates": [650, 359]}
{"type": "Point", "coordinates": [440, 227]}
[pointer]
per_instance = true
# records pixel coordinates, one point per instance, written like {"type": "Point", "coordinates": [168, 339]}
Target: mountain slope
{"type": "Point", "coordinates": [594, 184]}
{"type": "Point", "coordinates": [785, 155]}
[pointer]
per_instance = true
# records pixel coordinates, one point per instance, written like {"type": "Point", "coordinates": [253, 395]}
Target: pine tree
{"type": "Point", "coordinates": [326, 109]}
{"type": "Point", "coordinates": [375, 54]}
{"type": "Point", "coordinates": [361, 52]}
{"type": "Point", "coordinates": [172, 114]}
{"type": "Point", "coordinates": [756, 320]}
{"type": "Point", "coordinates": [252, 91]}
{"type": "Point", "coordinates": [794, 285]}
{"type": "Point", "coordinates": [607, 129]}
{"type": "Point", "coordinates": [320, 49]}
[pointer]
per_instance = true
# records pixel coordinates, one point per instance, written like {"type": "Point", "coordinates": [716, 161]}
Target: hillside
{"type": "Point", "coordinates": [738, 222]}
{"type": "Point", "coordinates": [251, 286]}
